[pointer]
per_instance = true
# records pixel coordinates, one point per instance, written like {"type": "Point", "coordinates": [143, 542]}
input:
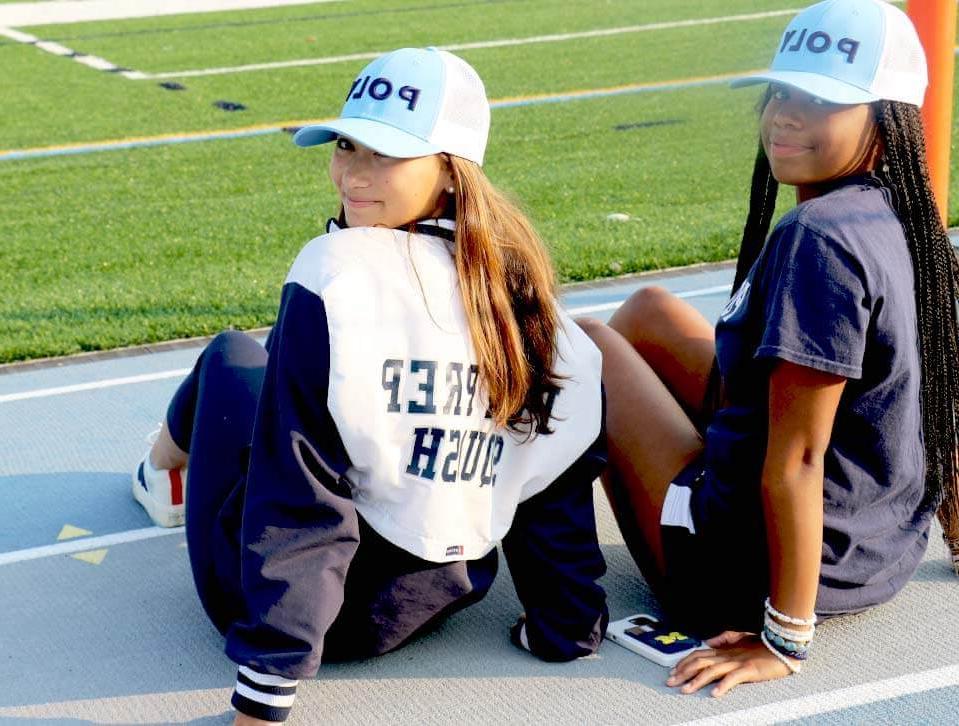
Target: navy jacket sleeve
{"type": "Point", "coordinates": [300, 528]}
{"type": "Point", "coordinates": [554, 558]}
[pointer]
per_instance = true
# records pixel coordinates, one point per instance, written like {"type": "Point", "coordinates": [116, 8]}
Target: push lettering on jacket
{"type": "Point", "coordinates": [442, 454]}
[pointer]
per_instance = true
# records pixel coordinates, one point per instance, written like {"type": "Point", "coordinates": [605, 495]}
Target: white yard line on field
{"type": "Point", "coordinates": [81, 11]}
{"type": "Point", "coordinates": [86, 10]}
{"type": "Point", "coordinates": [96, 62]}
{"type": "Point", "coordinates": [136, 75]}
{"type": "Point", "coordinates": [494, 43]}
{"type": "Point", "coordinates": [69, 11]}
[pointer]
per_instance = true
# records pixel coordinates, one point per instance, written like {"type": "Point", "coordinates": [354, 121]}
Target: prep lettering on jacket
{"type": "Point", "coordinates": [449, 455]}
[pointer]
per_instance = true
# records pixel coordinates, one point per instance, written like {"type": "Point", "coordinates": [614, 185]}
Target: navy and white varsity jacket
{"type": "Point", "coordinates": [371, 418]}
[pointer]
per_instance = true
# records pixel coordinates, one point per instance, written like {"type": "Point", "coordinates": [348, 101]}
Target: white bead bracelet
{"type": "Point", "coordinates": [788, 618]}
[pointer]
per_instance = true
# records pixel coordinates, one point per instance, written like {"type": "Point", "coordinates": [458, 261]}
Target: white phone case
{"type": "Point", "coordinates": [643, 634]}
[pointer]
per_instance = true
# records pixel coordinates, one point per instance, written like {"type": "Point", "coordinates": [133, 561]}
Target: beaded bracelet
{"type": "Point", "coordinates": [799, 636]}
{"type": "Point", "coordinates": [792, 664]}
{"type": "Point", "coordinates": [787, 636]}
{"type": "Point", "coordinates": [789, 648]}
{"type": "Point", "coordinates": [793, 648]}
{"type": "Point", "coordinates": [788, 618]}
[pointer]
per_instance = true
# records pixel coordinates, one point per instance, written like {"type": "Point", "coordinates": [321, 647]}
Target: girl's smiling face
{"type": "Point", "coordinates": [809, 141]}
{"type": "Point", "coordinates": [384, 191]}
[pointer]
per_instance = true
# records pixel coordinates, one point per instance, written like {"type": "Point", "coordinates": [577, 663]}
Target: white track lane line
{"type": "Point", "coordinates": [108, 383]}
{"type": "Point", "coordinates": [496, 43]}
{"type": "Point", "coordinates": [87, 543]}
{"type": "Point", "coordinates": [602, 307]}
{"type": "Point", "coordinates": [147, 377]}
{"type": "Point", "coordinates": [835, 701]}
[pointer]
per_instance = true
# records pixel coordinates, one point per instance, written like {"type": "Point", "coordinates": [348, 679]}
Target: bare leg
{"type": "Point", "coordinates": [650, 440]}
{"type": "Point", "coordinates": [673, 338]}
{"type": "Point", "coordinates": [165, 454]}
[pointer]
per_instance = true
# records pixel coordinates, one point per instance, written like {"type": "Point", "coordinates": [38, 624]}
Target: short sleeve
{"type": "Point", "coordinates": [817, 303]}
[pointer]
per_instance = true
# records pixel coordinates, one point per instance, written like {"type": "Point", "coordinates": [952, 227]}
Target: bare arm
{"type": "Point", "coordinates": [802, 409]}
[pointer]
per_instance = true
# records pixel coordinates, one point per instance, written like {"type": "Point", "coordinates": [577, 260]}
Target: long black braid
{"type": "Point", "coordinates": [762, 204]}
{"type": "Point", "coordinates": [763, 191]}
{"type": "Point", "coordinates": [905, 174]}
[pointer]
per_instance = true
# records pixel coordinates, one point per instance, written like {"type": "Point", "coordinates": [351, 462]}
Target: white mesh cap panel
{"type": "Point", "coordinates": [462, 125]}
{"type": "Point", "coordinates": [901, 74]}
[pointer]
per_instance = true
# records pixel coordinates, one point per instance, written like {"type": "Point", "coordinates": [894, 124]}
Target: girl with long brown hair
{"type": "Point", "coordinates": [421, 399]}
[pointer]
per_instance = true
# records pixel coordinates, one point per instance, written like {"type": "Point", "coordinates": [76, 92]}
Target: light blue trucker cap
{"type": "Point", "coordinates": [848, 52]}
{"type": "Point", "coordinates": [412, 102]}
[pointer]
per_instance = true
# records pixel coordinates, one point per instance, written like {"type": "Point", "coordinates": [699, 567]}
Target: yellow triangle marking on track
{"type": "Point", "coordinates": [69, 532]}
{"type": "Point", "coordinates": [94, 557]}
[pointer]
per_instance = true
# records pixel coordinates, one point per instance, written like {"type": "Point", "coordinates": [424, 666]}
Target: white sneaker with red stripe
{"type": "Point", "coordinates": [162, 492]}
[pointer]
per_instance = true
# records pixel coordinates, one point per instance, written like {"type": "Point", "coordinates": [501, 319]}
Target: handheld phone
{"type": "Point", "coordinates": [660, 643]}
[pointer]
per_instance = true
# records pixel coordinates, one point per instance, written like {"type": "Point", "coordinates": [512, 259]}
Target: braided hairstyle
{"type": "Point", "coordinates": [905, 175]}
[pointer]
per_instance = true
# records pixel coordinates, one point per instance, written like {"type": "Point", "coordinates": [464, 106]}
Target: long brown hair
{"type": "Point", "coordinates": [508, 288]}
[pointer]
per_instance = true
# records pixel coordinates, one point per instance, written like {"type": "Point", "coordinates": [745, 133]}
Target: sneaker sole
{"type": "Point", "coordinates": [162, 516]}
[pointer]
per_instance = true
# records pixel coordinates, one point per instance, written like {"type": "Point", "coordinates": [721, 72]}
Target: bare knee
{"type": "Point", "coordinates": [591, 326]}
{"type": "Point", "coordinates": [602, 335]}
{"type": "Point", "coordinates": [648, 302]}
{"type": "Point", "coordinates": [643, 313]}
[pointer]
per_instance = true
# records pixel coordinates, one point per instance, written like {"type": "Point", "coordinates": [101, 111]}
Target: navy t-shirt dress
{"type": "Point", "coordinates": [833, 290]}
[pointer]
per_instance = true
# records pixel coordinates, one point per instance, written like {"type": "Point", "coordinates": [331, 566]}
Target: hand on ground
{"type": "Point", "coordinates": [733, 658]}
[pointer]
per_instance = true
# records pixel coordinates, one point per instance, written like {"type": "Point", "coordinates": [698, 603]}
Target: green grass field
{"type": "Point", "coordinates": [115, 248]}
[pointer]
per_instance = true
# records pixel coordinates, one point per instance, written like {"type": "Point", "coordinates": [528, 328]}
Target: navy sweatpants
{"type": "Point", "coordinates": [211, 417]}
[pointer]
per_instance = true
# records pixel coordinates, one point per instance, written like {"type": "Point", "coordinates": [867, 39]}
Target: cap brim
{"type": "Point", "coordinates": [375, 135]}
{"type": "Point", "coordinates": [828, 89]}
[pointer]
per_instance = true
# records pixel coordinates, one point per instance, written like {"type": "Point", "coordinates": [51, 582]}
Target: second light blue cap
{"type": "Point", "coordinates": [850, 52]}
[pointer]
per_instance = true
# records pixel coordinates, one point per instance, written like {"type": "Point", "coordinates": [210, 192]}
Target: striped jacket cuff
{"type": "Point", "coordinates": [262, 695]}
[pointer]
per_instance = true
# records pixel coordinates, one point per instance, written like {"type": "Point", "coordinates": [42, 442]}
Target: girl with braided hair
{"type": "Point", "coordinates": [793, 460]}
